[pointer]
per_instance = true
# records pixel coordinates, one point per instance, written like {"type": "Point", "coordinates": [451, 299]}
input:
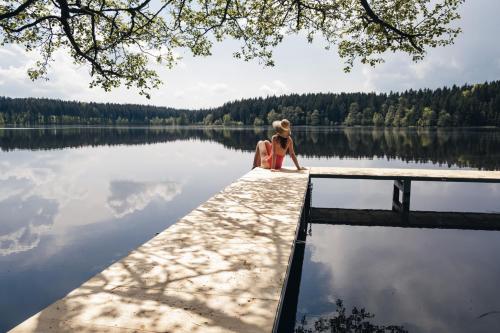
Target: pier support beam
{"type": "Point", "coordinates": [404, 186]}
{"type": "Point", "coordinates": [306, 212]}
{"type": "Point", "coordinates": [416, 219]}
{"type": "Point", "coordinates": [288, 309]}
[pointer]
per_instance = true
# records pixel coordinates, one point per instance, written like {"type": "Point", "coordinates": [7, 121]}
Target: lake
{"type": "Point", "coordinates": [74, 200]}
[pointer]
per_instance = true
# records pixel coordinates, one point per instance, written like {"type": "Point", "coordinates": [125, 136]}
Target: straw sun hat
{"type": "Point", "coordinates": [282, 127]}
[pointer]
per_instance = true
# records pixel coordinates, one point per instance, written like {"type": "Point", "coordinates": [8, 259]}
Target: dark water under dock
{"type": "Point", "coordinates": [73, 201]}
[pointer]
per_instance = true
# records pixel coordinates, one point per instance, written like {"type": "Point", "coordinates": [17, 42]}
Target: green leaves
{"type": "Point", "coordinates": [120, 40]}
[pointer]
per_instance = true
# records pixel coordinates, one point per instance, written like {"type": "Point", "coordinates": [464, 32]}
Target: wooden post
{"type": "Point", "coordinates": [401, 185]}
{"type": "Point", "coordinates": [306, 213]}
{"type": "Point", "coordinates": [406, 195]}
{"type": "Point", "coordinates": [396, 205]}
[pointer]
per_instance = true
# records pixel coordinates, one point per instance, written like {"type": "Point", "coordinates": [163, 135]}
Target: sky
{"type": "Point", "coordinates": [200, 82]}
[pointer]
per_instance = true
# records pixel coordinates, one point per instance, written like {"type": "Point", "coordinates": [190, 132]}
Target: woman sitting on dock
{"type": "Point", "coordinates": [270, 155]}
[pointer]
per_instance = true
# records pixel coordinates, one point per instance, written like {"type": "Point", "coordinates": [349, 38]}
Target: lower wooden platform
{"type": "Point", "coordinates": [414, 219]}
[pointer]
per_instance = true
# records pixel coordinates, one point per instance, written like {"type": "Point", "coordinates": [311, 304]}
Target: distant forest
{"type": "Point", "coordinates": [469, 105]}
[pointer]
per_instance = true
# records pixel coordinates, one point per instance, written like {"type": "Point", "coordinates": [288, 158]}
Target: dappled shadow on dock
{"type": "Point", "coordinates": [219, 269]}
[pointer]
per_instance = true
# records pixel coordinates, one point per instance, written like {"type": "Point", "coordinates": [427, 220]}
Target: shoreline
{"type": "Point", "coordinates": [242, 127]}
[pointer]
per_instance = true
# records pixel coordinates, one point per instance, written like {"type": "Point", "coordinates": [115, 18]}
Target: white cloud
{"type": "Point", "coordinates": [277, 87]}
{"type": "Point", "coordinates": [267, 90]}
{"type": "Point", "coordinates": [368, 83]}
{"type": "Point", "coordinates": [430, 66]}
{"type": "Point", "coordinates": [211, 88]}
{"type": "Point", "coordinates": [6, 51]}
{"type": "Point", "coordinates": [180, 94]}
{"type": "Point", "coordinates": [13, 56]}
{"type": "Point", "coordinates": [219, 88]}
{"type": "Point", "coordinates": [65, 81]}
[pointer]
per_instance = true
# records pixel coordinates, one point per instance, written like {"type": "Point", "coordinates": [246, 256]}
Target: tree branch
{"type": "Point", "coordinates": [376, 19]}
{"type": "Point", "coordinates": [29, 25]}
{"type": "Point", "coordinates": [17, 11]}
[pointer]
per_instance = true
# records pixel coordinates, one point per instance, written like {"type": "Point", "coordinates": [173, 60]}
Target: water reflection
{"type": "Point", "coordinates": [24, 220]}
{"type": "Point", "coordinates": [72, 201]}
{"type": "Point", "coordinates": [344, 321]}
{"type": "Point", "coordinates": [128, 196]}
{"type": "Point", "coordinates": [425, 280]}
{"type": "Point", "coordinates": [66, 214]}
{"type": "Point", "coordinates": [477, 148]}
{"type": "Point", "coordinates": [12, 186]}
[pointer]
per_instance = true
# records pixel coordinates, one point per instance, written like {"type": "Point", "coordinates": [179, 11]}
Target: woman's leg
{"type": "Point", "coordinates": [264, 153]}
{"type": "Point", "coordinates": [269, 149]}
{"type": "Point", "coordinates": [256, 158]}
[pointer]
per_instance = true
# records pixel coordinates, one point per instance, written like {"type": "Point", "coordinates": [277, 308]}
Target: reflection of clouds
{"type": "Point", "coordinates": [410, 276]}
{"type": "Point", "coordinates": [35, 177]}
{"type": "Point", "coordinates": [23, 221]}
{"type": "Point", "coordinates": [13, 186]}
{"type": "Point", "coordinates": [55, 175]}
{"type": "Point", "coordinates": [3, 166]}
{"type": "Point", "coordinates": [314, 298]}
{"type": "Point", "coordinates": [78, 180]}
{"type": "Point", "coordinates": [129, 196]}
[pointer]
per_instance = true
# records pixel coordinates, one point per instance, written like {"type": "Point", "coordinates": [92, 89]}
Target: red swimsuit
{"type": "Point", "coordinates": [269, 158]}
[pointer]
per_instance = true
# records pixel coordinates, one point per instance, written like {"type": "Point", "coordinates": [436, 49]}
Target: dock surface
{"type": "Point", "coordinates": [411, 174]}
{"type": "Point", "coordinates": [221, 268]}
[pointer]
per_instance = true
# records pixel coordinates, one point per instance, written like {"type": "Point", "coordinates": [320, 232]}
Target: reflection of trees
{"type": "Point", "coordinates": [343, 322]}
{"type": "Point", "coordinates": [478, 148]}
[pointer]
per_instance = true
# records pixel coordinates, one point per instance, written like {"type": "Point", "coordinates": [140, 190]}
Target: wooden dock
{"type": "Point", "coordinates": [475, 176]}
{"type": "Point", "coordinates": [403, 178]}
{"type": "Point", "coordinates": [224, 266]}
{"type": "Point", "coordinates": [221, 268]}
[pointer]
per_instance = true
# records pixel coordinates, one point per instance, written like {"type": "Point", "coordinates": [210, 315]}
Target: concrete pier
{"type": "Point", "coordinates": [224, 266]}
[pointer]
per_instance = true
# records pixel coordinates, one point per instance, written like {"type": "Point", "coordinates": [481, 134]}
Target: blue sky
{"type": "Point", "coordinates": [300, 68]}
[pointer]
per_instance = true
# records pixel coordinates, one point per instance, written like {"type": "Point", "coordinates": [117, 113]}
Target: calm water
{"type": "Point", "coordinates": [72, 201]}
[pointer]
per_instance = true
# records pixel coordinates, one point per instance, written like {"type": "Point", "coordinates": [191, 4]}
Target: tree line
{"type": "Point", "coordinates": [467, 105]}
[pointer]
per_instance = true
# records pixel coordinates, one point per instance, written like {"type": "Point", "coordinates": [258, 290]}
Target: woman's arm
{"type": "Point", "coordinates": [273, 153]}
{"type": "Point", "coordinates": [291, 151]}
